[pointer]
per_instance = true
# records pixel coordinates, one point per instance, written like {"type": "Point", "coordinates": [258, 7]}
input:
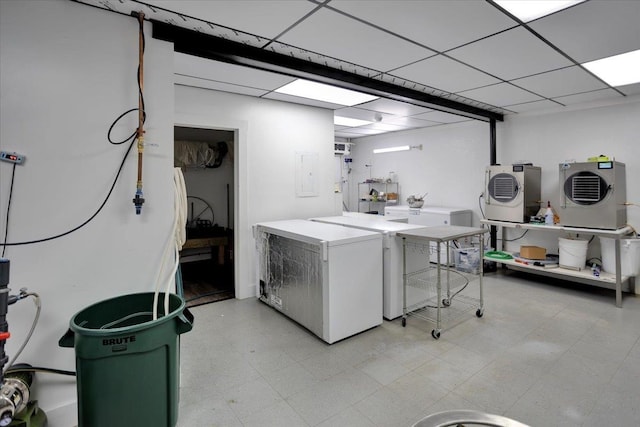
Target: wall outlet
{"type": "Point", "coordinates": [11, 157]}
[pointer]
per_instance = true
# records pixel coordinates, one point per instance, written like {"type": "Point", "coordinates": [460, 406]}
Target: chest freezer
{"type": "Point", "coordinates": [326, 277]}
{"type": "Point", "coordinates": [378, 217]}
{"type": "Point", "coordinates": [391, 258]}
{"type": "Point", "coordinates": [433, 216]}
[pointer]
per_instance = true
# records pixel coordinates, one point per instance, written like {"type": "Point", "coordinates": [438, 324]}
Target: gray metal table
{"type": "Point", "coordinates": [440, 235]}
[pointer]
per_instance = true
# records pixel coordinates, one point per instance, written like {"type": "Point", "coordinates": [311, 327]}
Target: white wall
{"type": "Point", "coordinates": [66, 72]}
{"type": "Point", "coordinates": [447, 168]}
{"type": "Point", "coordinates": [269, 133]}
{"type": "Point", "coordinates": [452, 163]}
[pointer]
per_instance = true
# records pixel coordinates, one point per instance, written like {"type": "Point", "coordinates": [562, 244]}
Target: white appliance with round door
{"type": "Point", "coordinates": [512, 192]}
{"type": "Point", "coordinates": [593, 195]}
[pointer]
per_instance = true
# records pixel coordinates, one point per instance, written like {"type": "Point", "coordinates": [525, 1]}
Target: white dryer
{"type": "Point", "coordinates": [593, 195]}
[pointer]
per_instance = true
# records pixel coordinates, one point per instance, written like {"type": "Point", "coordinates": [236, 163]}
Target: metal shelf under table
{"type": "Point", "coordinates": [617, 281]}
{"type": "Point", "coordinates": [429, 280]}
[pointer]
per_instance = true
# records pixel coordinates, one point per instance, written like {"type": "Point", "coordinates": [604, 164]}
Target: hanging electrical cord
{"type": "Point", "coordinates": [104, 202]}
{"type": "Point", "coordinates": [517, 238]}
{"type": "Point", "coordinates": [40, 369]}
{"type": "Point", "coordinates": [131, 139]}
{"type": "Point", "coordinates": [485, 242]}
{"type": "Point", "coordinates": [6, 223]}
{"type": "Point", "coordinates": [480, 205]}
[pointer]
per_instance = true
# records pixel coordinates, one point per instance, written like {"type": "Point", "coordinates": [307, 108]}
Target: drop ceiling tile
{"type": "Point", "coordinates": [390, 106]}
{"type": "Point", "coordinates": [545, 104]}
{"type": "Point", "coordinates": [440, 25]}
{"type": "Point", "coordinates": [500, 95]}
{"type": "Point", "coordinates": [360, 131]}
{"type": "Point", "coordinates": [441, 117]}
{"type": "Point", "coordinates": [333, 34]}
{"type": "Point", "coordinates": [266, 18]}
{"type": "Point", "coordinates": [362, 114]}
{"type": "Point", "coordinates": [511, 54]}
{"type": "Point", "coordinates": [589, 96]}
{"type": "Point", "coordinates": [347, 134]}
{"type": "Point", "coordinates": [630, 89]}
{"type": "Point", "coordinates": [194, 66]}
{"type": "Point", "coordinates": [593, 29]}
{"type": "Point", "coordinates": [299, 100]}
{"type": "Point", "coordinates": [445, 74]}
{"type": "Point", "coordinates": [409, 122]}
{"type": "Point", "coordinates": [383, 126]}
{"type": "Point", "coordinates": [221, 86]}
{"type": "Point", "coordinates": [562, 82]}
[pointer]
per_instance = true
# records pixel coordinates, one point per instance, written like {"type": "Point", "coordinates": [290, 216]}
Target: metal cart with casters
{"type": "Point", "coordinates": [429, 280]}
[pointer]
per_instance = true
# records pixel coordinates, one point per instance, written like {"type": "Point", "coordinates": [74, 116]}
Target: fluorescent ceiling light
{"type": "Point", "coordinates": [326, 93]}
{"type": "Point", "coordinates": [618, 70]}
{"type": "Point", "coordinates": [528, 10]}
{"type": "Point", "coordinates": [348, 121]}
{"type": "Point", "coordinates": [398, 148]}
{"type": "Point", "coordinates": [391, 149]}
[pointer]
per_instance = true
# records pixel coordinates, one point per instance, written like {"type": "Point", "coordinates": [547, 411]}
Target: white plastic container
{"type": "Point", "coordinates": [573, 253]}
{"type": "Point", "coordinates": [467, 260]}
{"type": "Point", "coordinates": [629, 256]}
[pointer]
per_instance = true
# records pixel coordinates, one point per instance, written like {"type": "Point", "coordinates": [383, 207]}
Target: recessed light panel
{"type": "Point", "coordinates": [391, 149]}
{"type": "Point", "coordinates": [528, 10]}
{"type": "Point", "coordinates": [324, 92]}
{"type": "Point", "coordinates": [348, 121]}
{"type": "Point", "coordinates": [618, 70]}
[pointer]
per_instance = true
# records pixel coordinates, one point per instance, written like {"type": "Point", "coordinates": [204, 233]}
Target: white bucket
{"type": "Point", "coordinates": [629, 256]}
{"type": "Point", "coordinates": [573, 252]}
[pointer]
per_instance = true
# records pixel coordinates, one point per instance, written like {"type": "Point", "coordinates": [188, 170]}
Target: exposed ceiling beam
{"type": "Point", "coordinates": [220, 49]}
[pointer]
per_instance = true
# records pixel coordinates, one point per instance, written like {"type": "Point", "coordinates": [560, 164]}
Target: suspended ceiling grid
{"type": "Point", "coordinates": [469, 51]}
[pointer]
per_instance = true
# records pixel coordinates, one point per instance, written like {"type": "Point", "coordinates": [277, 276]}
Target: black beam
{"type": "Point", "coordinates": [493, 231]}
{"type": "Point", "coordinates": [219, 49]}
{"type": "Point", "coordinates": [493, 157]}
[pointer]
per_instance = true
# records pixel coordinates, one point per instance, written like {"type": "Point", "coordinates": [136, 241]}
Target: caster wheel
{"type": "Point", "coordinates": [479, 312]}
{"type": "Point", "coordinates": [446, 302]}
{"type": "Point", "coordinates": [404, 322]}
{"type": "Point", "coordinates": [435, 334]}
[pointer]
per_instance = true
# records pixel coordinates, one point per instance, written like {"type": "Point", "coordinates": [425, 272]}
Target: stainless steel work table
{"type": "Point", "coordinates": [440, 235]}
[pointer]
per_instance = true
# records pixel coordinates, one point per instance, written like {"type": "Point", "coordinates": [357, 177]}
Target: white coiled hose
{"type": "Point", "coordinates": [176, 239]}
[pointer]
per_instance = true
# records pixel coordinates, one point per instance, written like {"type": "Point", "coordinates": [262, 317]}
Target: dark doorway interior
{"type": "Point", "coordinates": [206, 260]}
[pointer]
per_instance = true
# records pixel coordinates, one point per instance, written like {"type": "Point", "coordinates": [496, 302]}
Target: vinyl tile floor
{"type": "Point", "coordinates": [544, 353]}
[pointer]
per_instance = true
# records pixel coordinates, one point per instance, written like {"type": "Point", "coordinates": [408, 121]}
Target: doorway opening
{"type": "Point", "coordinates": [206, 260]}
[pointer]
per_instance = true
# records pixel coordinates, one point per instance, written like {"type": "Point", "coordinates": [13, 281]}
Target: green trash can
{"type": "Point", "coordinates": [127, 364]}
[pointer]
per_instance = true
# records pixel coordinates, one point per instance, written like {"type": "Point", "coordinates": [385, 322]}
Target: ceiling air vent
{"type": "Point", "coordinates": [342, 148]}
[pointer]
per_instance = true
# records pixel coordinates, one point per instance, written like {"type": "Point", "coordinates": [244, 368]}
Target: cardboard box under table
{"type": "Point", "coordinates": [533, 252]}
